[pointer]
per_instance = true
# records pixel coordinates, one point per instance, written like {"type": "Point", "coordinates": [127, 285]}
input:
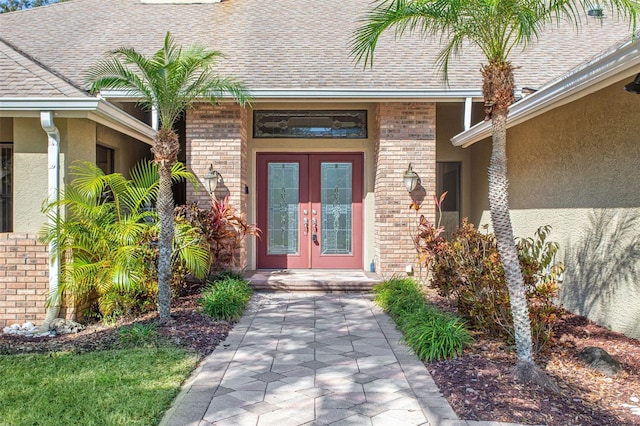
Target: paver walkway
{"type": "Point", "coordinates": [311, 359]}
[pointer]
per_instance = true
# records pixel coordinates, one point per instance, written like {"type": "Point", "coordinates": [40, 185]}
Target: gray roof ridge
{"type": "Point", "coordinates": [43, 66]}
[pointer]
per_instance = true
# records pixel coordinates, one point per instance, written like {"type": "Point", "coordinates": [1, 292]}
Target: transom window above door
{"type": "Point", "coordinates": [334, 124]}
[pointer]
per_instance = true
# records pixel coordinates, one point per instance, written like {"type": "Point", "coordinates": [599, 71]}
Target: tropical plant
{"type": "Point", "coordinates": [224, 228]}
{"type": "Point", "coordinates": [495, 27]}
{"type": "Point", "coordinates": [169, 81]}
{"type": "Point", "coordinates": [467, 268]}
{"type": "Point", "coordinates": [106, 232]}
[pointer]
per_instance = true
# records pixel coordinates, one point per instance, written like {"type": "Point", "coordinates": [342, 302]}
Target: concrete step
{"type": "Point", "coordinates": [329, 281]}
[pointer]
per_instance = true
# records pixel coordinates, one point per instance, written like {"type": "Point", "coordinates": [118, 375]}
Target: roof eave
{"type": "Point", "coordinates": [339, 94]}
{"type": "Point", "coordinates": [603, 71]}
{"type": "Point", "coordinates": [95, 109]}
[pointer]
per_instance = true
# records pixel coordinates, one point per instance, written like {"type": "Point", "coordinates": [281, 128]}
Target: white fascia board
{"type": "Point", "coordinates": [597, 74]}
{"type": "Point", "coordinates": [48, 104]}
{"type": "Point", "coordinates": [95, 109]}
{"type": "Point", "coordinates": [339, 94]}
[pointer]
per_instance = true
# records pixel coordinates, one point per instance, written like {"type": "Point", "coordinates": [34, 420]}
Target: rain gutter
{"type": "Point", "coordinates": [620, 63]}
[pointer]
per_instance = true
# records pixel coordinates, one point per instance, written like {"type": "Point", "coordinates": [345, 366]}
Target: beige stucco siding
{"type": "Point", "coordinates": [127, 151]}
{"type": "Point", "coordinates": [6, 129]}
{"type": "Point", "coordinates": [450, 122]}
{"type": "Point", "coordinates": [577, 168]}
{"type": "Point", "coordinates": [29, 174]}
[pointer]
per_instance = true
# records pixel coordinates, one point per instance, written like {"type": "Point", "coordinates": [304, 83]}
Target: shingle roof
{"type": "Point", "coordinates": [23, 77]}
{"type": "Point", "coordinates": [280, 44]}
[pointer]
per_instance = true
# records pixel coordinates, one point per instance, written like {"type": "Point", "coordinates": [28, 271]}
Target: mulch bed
{"type": "Point", "coordinates": [187, 328]}
{"type": "Point", "coordinates": [478, 384]}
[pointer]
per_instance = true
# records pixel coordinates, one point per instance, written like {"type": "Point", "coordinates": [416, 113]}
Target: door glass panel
{"type": "Point", "coordinates": [336, 197]}
{"type": "Point", "coordinates": [282, 208]}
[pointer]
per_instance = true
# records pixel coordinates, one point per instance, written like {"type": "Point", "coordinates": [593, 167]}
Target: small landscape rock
{"type": "Point", "coordinates": [600, 360]}
{"type": "Point", "coordinates": [64, 326]}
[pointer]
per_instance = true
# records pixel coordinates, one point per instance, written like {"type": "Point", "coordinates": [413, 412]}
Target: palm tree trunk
{"type": "Point", "coordinates": [165, 154]}
{"type": "Point", "coordinates": [165, 241]}
{"type": "Point", "coordinates": [501, 220]}
{"type": "Point", "coordinates": [498, 88]}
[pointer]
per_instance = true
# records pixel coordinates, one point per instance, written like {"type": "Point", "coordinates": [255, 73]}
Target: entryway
{"type": "Point", "coordinates": [310, 210]}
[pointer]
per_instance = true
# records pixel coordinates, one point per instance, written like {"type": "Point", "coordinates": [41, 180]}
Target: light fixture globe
{"type": "Point", "coordinates": [410, 179]}
{"type": "Point", "coordinates": [211, 179]}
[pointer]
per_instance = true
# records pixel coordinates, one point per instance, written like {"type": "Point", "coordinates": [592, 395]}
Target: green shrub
{"type": "Point", "coordinates": [434, 335]}
{"type": "Point", "coordinates": [138, 335]}
{"type": "Point", "coordinates": [226, 298]}
{"type": "Point", "coordinates": [468, 269]}
{"type": "Point", "coordinates": [431, 334]}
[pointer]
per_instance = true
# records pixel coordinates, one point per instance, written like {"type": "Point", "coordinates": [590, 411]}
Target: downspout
{"type": "Point", "coordinates": [53, 187]}
{"type": "Point", "coordinates": [468, 105]}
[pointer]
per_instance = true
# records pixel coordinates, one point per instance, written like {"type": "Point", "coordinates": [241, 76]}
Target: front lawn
{"type": "Point", "coordinates": [111, 387]}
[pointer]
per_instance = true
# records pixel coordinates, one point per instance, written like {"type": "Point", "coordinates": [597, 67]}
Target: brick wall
{"type": "Point", "coordinates": [24, 279]}
{"type": "Point", "coordinates": [406, 134]}
{"type": "Point", "coordinates": [217, 135]}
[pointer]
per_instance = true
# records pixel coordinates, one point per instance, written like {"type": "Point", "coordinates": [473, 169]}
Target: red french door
{"type": "Point", "coordinates": [310, 210]}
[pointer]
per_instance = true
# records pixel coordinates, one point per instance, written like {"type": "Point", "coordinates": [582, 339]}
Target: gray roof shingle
{"type": "Point", "coordinates": [281, 44]}
{"type": "Point", "coordinates": [22, 77]}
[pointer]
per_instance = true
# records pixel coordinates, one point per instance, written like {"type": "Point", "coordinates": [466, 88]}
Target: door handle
{"type": "Point", "coordinates": [314, 235]}
{"type": "Point", "coordinates": [305, 221]}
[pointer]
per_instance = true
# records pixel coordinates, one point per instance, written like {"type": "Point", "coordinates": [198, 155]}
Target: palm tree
{"type": "Point", "coordinates": [169, 81]}
{"type": "Point", "coordinates": [495, 27]}
{"type": "Point", "coordinates": [105, 236]}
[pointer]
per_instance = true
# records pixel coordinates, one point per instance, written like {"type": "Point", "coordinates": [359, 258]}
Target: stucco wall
{"type": "Point", "coordinates": [127, 151]}
{"type": "Point", "coordinates": [577, 168]}
{"type": "Point", "coordinates": [29, 174]}
{"type": "Point", "coordinates": [450, 122]}
{"type": "Point", "coordinates": [6, 129]}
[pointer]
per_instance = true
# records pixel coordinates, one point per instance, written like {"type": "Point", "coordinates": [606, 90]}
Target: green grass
{"type": "Point", "coordinates": [226, 297]}
{"type": "Point", "coordinates": [429, 332]}
{"type": "Point", "coordinates": [114, 387]}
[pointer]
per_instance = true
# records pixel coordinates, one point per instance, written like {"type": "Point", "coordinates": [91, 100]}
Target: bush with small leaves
{"type": "Point", "coordinates": [467, 268]}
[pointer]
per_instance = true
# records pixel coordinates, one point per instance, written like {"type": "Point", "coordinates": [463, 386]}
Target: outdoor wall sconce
{"type": "Point", "coordinates": [595, 12]}
{"type": "Point", "coordinates": [211, 179]}
{"type": "Point", "coordinates": [411, 179]}
{"type": "Point", "coordinates": [634, 86]}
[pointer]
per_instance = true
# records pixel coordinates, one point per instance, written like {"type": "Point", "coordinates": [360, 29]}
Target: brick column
{"type": "Point", "coordinates": [406, 134]}
{"type": "Point", "coordinates": [24, 279]}
{"type": "Point", "coordinates": [217, 135]}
